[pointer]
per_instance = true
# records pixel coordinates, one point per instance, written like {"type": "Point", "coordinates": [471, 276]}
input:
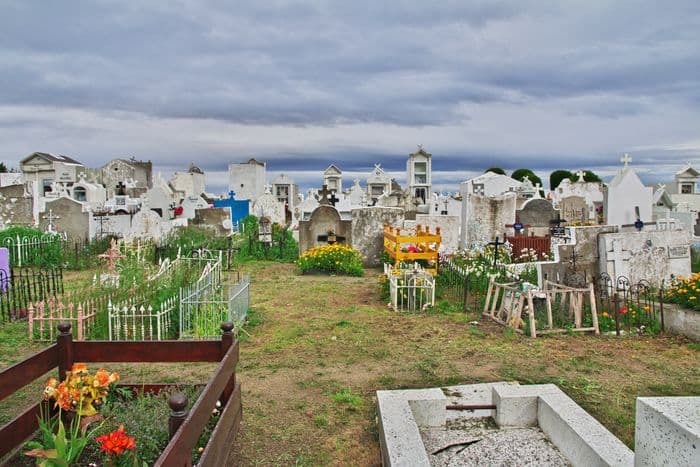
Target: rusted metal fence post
{"type": "Point", "coordinates": [616, 306]}
{"type": "Point", "coordinates": [64, 344]}
{"type": "Point", "coordinates": [178, 412]}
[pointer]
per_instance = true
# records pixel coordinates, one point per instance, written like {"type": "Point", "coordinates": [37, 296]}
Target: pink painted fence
{"type": "Point", "coordinates": [45, 315]}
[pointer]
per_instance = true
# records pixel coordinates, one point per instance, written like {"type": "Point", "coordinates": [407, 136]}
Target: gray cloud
{"type": "Point", "coordinates": [306, 83]}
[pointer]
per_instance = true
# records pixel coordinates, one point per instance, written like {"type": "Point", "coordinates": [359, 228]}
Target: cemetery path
{"type": "Point", "coordinates": [318, 348]}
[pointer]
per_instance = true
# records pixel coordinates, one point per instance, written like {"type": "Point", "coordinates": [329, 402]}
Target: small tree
{"type": "Point", "coordinates": [3, 168]}
{"type": "Point", "coordinates": [589, 176]}
{"type": "Point", "coordinates": [556, 177]}
{"type": "Point", "coordinates": [496, 170]}
{"type": "Point", "coordinates": [520, 175]}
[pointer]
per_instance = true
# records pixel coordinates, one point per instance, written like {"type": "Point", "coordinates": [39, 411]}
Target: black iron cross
{"type": "Point", "coordinates": [101, 219]}
{"type": "Point", "coordinates": [572, 258]}
{"type": "Point", "coordinates": [638, 224]}
{"type": "Point", "coordinates": [332, 198]}
{"type": "Point", "coordinates": [496, 243]}
{"type": "Point", "coordinates": [121, 189]}
{"type": "Point", "coordinates": [324, 238]}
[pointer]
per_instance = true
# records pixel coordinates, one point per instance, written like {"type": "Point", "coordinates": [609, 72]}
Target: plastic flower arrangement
{"type": "Point", "coordinates": [336, 258]}
{"type": "Point", "coordinates": [80, 392]}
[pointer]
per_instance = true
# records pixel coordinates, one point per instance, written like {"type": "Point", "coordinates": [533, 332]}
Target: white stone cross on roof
{"type": "Point", "coordinates": [626, 159]}
{"type": "Point", "coordinates": [580, 174]}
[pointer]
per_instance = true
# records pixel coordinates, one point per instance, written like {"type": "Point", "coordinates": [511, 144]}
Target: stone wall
{"type": "Point", "coordinates": [584, 242]}
{"type": "Point", "coordinates": [16, 207]}
{"type": "Point", "coordinates": [645, 255]}
{"type": "Point", "coordinates": [681, 321]}
{"type": "Point", "coordinates": [368, 230]}
{"type": "Point", "coordinates": [449, 229]}
{"type": "Point", "coordinates": [485, 218]}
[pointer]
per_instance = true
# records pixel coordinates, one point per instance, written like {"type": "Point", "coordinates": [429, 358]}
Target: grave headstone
{"type": "Point", "coordinates": [539, 213]}
{"type": "Point", "coordinates": [265, 230]}
{"type": "Point", "coordinates": [324, 220]}
{"type": "Point", "coordinates": [269, 206]}
{"type": "Point", "coordinates": [574, 208]}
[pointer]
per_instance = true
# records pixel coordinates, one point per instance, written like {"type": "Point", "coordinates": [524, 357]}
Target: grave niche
{"type": "Point", "coordinates": [539, 213]}
{"type": "Point", "coordinates": [324, 227]}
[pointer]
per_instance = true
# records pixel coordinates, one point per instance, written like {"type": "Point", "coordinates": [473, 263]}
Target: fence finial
{"type": "Point", "coordinates": [64, 328]}
{"type": "Point", "coordinates": [178, 405]}
{"type": "Point", "coordinates": [227, 327]}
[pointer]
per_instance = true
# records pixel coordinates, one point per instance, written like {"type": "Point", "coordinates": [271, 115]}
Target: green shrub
{"type": "Point", "coordinates": [335, 258]}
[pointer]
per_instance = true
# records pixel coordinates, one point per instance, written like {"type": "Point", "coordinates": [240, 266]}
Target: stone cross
{"type": "Point", "coordinates": [268, 189]}
{"type": "Point", "coordinates": [121, 189]}
{"type": "Point", "coordinates": [661, 186]}
{"type": "Point", "coordinates": [50, 217]}
{"type": "Point", "coordinates": [626, 159]}
{"type": "Point", "coordinates": [420, 147]}
{"type": "Point", "coordinates": [619, 257]}
{"type": "Point", "coordinates": [538, 186]}
{"type": "Point", "coordinates": [324, 196]}
{"type": "Point", "coordinates": [580, 174]}
{"type": "Point", "coordinates": [112, 256]}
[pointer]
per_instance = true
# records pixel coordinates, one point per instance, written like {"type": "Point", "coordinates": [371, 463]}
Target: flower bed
{"type": "Point", "coordinates": [334, 259]}
{"type": "Point", "coordinates": [78, 394]}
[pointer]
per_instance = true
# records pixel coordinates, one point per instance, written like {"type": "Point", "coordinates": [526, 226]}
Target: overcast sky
{"type": "Point", "coordinates": [300, 85]}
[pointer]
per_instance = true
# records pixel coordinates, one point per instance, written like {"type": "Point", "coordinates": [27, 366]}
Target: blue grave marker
{"type": "Point", "coordinates": [239, 208]}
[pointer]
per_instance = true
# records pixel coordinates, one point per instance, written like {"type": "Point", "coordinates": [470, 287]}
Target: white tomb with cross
{"type": "Point", "coordinates": [624, 194]}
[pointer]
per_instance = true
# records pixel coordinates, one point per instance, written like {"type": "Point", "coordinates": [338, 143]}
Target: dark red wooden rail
{"type": "Point", "coordinates": [221, 387]}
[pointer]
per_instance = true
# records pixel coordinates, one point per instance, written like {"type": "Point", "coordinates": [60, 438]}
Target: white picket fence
{"type": "Point", "coordinates": [411, 288]}
{"type": "Point", "coordinates": [131, 320]}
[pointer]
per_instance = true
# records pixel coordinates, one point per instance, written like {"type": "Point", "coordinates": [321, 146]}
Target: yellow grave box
{"type": "Point", "coordinates": [411, 247]}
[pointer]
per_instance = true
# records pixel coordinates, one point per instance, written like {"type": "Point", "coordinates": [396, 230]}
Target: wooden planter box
{"type": "Point", "coordinates": [185, 427]}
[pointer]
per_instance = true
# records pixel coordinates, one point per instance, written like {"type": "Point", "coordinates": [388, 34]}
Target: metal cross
{"type": "Point", "coordinates": [556, 228]}
{"type": "Point", "coordinates": [101, 219]}
{"type": "Point", "coordinates": [112, 256]}
{"type": "Point", "coordinates": [496, 243]}
{"type": "Point", "coordinates": [626, 159]}
{"type": "Point", "coordinates": [573, 257]}
{"type": "Point", "coordinates": [333, 199]}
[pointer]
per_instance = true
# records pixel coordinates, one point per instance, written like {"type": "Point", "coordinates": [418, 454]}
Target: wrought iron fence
{"type": "Point", "coordinates": [630, 305]}
{"type": "Point", "coordinates": [460, 286]}
{"type": "Point", "coordinates": [20, 288]}
{"type": "Point", "coordinates": [28, 249]}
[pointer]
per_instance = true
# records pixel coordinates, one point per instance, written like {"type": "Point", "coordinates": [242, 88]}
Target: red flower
{"type": "Point", "coordinates": [413, 249]}
{"type": "Point", "coordinates": [116, 442]}
{"type": "Point", "coordinates": [623, 310]}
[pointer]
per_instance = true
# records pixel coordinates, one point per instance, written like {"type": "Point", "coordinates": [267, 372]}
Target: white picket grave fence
{"type": "Point", "coordinates": [23, 249]}
{"type": "Point", "coordinates": [132, 320]}
{"type": "Point", "coordinates": [411, 288]}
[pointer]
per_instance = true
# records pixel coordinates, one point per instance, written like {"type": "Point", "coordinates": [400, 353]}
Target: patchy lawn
{"type": "Point", "coordinates": [319, 347]}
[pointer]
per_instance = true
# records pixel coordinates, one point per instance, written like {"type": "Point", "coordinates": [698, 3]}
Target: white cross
{"type": "Point", "coordinates": [620, 259]}
{"type": "Point", "coordinates": [580, 174]}
{"type": "Point", "coordinates": [50, 217]}
{"type": "Point", "coordinates": [626, 159]}
{"type": "Point", "coordinates": [661, 186]}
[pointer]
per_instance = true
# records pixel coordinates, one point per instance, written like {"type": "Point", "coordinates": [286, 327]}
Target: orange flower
{"type": "Point", "coordinates": [116, 442]}
{"type": "Point", "coordinates": [101, 378]}
{"type": "Point", "coordinates": [114, 377]}
{"type": "Point", "coordinates": [63, 397]}
{"type": "Point", "coordinates": [79, 368]}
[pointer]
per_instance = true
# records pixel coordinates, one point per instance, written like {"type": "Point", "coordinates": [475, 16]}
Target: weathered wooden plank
{"type": "Point", "coordinates": [220, 442]}
{"type": "Point", "coordinates": [180, 446]}
{"type": "Point", "coordinates": [26, 371]}
{"type": "Point", "coordinates": [19, 429]}
{"type": "Point", "coordinates": [150, 351]}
